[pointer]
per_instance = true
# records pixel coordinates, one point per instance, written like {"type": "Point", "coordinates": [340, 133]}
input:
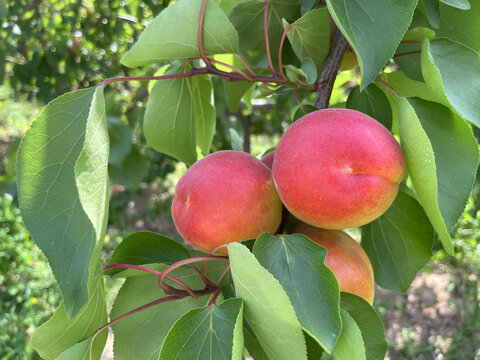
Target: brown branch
{"type": "Point", "coordinates": [330, 71]}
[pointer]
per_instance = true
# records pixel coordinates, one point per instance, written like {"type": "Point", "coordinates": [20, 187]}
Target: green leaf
{"type": "Point", "coordinates": [91, 168]}
{"type": "Point", "coordinates": [57, 197]}
{"type": "Point", "coordinates": [369, 323]}
{"type": "Point", "coordinates": [234, 91]}
{"type": "Point", "coordinates": [454, 69]}
{"type": "Point", "coordinates": [310, 37]}
{"type": "Point", "coordinates": [132, 170]}
{"type": "Point", "coordinates": [419, 34]}
{"type": "Point", "coordinates": [212, 332]}
{"type": "Point", "coordinates": [410, 64]}
{"type": "Point", "coordinates": [267, 308]}
{"type": "Point", "coordinates": [374, 29]}
{"type": "Point", "coordinates": [299, 265]}
{"type": "Point", "coordinates": [248, 19]}
{"type": "Point", "coordinates": [62, 332]}
{"type": "Point", "coordinates": [140, 336]}
{"type": "Point", "coordinates": [399, 243]}
{"type": "Point", "coordinates": [407, 87]}
{"type": "Point", "coordinates": [350, 345]}
{"type": "Point", "coordinates": [460, 25]}
{"type": "Point", "coordinates": [373, 102]}
{"type": "Point", "coordinates": [432, 10]}
{"type": "Point", "coordinates": [204, 111]}
{"type": "Point", "coordinates": [173, 35]}
{"type": "Point", "coordinates": [307, 5]}
{"type": "Point", "coordinates": [252, 344]}
{"type": "Point", "coordinates": [442, 157]}
{"type": "Point", "coordinates": [235, 140]}
{"type": "Point", "coordinates": [169, 124]}
{"type": "Point", "coordinates": [310, 71]}
{"type": "Point", "coordinates": [146, 247]}
{"type": "Point", "coordinates": [120, 136]}
{"type": "Point", "coordinates": [80, 351]}
{"type": "Point", "coordinates": [459, 4]}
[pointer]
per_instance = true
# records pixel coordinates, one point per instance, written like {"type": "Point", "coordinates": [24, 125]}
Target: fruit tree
{"type": "Point", "coordinates": [267, 269]}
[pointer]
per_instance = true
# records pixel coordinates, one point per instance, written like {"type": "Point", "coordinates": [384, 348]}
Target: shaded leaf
{"type": "Point", "coordinates": [120, 136]}
{"type": "Point", "coordinates": [298, 264]}
{"type": "Point", "coordinates": [373, 102]}
{"type": "Point", "coordinates": [350, 345]}
{"type": "Point", "coordinates": [140, 336]}
{"type": "Point", "coordinates": [132, 170]}
{"type": "Point", "coordinates": [459, 4]}
{"type": "Point", "coordinates": [267, 307]}
{"type": "Point", "coordinates": [169, 124]}
{"type": "Point", "coordinates": [398, 243]}
{"type": "Point", "coordinates": [369, 323]}
{"type": "Point", "coordinates": [310, 37]}
{"type": "Point", "coordinates": [374, 29]}
{"type": "Point", "coordinates": [173, 35]}
{"type": "Point", "coordinates": [452, 71]}
{"type": "Point", "coordinates": [442, 157]}
{"type": "Point", "coordinates": [212, 332]}
{"type": "Point", "coordinates": [146, 247]}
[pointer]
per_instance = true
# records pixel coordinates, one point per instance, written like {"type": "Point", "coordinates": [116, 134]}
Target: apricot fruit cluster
{"type": "Point", "coordinates": [332, 169]}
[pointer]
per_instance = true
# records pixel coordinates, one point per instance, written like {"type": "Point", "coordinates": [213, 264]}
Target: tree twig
{"type": "Point", "coordinates": [330, 71]}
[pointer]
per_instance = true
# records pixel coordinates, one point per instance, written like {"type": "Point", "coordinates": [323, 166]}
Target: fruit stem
{"type": "Point", "coordinates": [407, 53]}
{"type": "Point", "coordinates": [298, 100]}
{"type": "Point", "coordinates": [200, 33]}
{"type": "Point", "coordinates": [280, 51]}
{"type": "Point", "coordinates": [245, 64]}
{"type": "Point", "coordinates": [267, 44]}
{"type": "Point", "coordinates": [248, 78]}
{"type": "Point", "coordinates": [325, 83]}
{"type": "Point", "coordinates": [131, 312]}
{"type": "Point", "coordinates": [214, 297]}
{"type": "Point", "coordinates": [180, 263]}
{"type": "Point", "coordinates": [387, 85]}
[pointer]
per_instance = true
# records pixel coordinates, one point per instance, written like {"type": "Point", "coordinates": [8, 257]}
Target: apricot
{"type": "Point", "coordinates": [346, 258]}
{"type": "Point", "coordinates": [268, 159]}
{"type": "Point", "coordinates": [225, 197]}
{"type": "Point", "coordinates": [337, 168]}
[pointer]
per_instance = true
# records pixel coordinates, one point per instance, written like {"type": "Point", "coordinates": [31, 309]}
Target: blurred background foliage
{"type": "Point", "coordinates": [51, 47]}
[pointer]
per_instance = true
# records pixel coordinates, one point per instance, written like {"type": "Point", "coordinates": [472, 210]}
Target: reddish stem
{"type": "Point", "coordinates": [149, 78]}
{"type": "Point", "coordinates": [200, 33]}
{"type": "Point", "coordinates": [167, 288]}
{"type": "Point", "coordinates": [298, 101]}
{"type": "Point", "coordinates": [387, 85]}
{"type": "Point", "coordinates": [225, 272]}
{"type": "Point", "coordinates": [214, 297]}
{"type": "Point", "coordinates": [267, 44]}
{"type": "Point", "coordinates": [248, 78]}
{"type": "Point", "coordinates": [280, 51]}
{"type": "Point", "coordinates": [245, 64]}
{"type": "Point", "coordinates": [407, 53]}
{"type": "Point", "coordinates": [186, 262]}
{"type": "Point", "coordinates": [129, 266]}
{"type": "Point", "coordinates": [140, 308]}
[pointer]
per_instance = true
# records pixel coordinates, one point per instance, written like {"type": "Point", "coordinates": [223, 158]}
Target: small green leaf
{"type": "Point", "coordinates": [146, 247]}
{"type": "Point", "coordinates": [459, 4]}
{"type": "Point", "coordinates": [234, 91]}
{"type": "Point", "coordinates": [169, 124]}
{"type": "Point", "coordinates": [432, 10]}
{"type": "Point", "coordinates": [248, 19]}
{"type": "Point", "coordinates": [374, 29]}
{"type": "Point", "coordinates": [460, 25]}
{"type": "Point", "coordinates": [173, 35]}
{"type": "Point", "coordinates": [212, 332]}
{"type": "Point", "coordinates": [419, 34]}
{"type": "Point", "coordinates": [80, 351]}
{"type": "Point", "coordinates": [407, 87]}
{"type": "Point", "coordinates": [267, 308]}
{"type": "Point", "coordinates": [204, 111]}
{"type": "Point", "coordinates": [410, 64]}
{"type": "Point", "coordinates": [398, 243]}
{"type": "Point", "coordinates": [295, 74]}
{"type": "Point", "coordinates": [373, 102]}
{"type": "Point", "coordinates": [132, 170]}
{"type": "Point", "coordinates": [62, 332]}
{"type": "Point", "coordinates": [453, 70]}
{"type": "Point", "coordinates": [120, 136]}
{"type": "Point", "coordinates": [57, 194]}
{"type": "Point", "coordinates": [310, 37]}
{"type": "Point", "coordinates": [369, 323]}
{"type": "Point", "coordinates": [140, 336]}
{"type": "Point", "coordinates": [350, 345]}
{"type": "Point", "coordinates": [442, 156]}
{"type": "Point", "coordinates": [235, 140]}
{"type": "Point", "coordinates": [299, 265]}
{"type": "Point", "coordinates": [308, 67]}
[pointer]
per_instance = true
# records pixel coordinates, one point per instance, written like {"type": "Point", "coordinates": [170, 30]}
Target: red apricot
{"type": "Point", "coordinates": [337, 168]}
{"type": "Point", "coordinates": [346, 258]}
{"type": "Point", "coordinates": [225, 197]}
